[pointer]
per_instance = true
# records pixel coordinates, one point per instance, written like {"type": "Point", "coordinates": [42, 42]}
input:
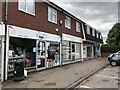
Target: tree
{"type": "Point", "coordinates": [114, 35]}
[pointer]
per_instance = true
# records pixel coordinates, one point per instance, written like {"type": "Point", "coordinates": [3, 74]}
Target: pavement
{"type": "Point", "coordinates": [106, 78]}
{"type": "Point", "coordinates": [60, 77]}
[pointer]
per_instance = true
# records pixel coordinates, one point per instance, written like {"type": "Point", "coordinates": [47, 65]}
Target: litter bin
{"type": "Point", "coordinates": [19, 71]}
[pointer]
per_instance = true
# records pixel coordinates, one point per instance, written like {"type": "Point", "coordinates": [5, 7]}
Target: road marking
{"type": "Point", "coordinates": [84, 87]}
{"type": "Point", "coordinates": [107, 76]}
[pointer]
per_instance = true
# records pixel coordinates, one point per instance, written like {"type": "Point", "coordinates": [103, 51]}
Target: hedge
{"type": "Point", "coordinates": [106, 48]}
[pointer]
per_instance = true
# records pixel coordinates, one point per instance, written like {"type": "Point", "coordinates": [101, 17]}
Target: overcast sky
{"type": "Point", "coordinates": [100, 15]}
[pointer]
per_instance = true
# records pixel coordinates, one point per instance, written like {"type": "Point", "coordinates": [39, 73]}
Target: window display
{"type": "Point", "coordinates": [22, 48]}
{"type": "Point", "coordinates": [78, 51]}
{"type": "Point", "coordinates": [66, 50]}
{"type": "Point", "coordinates": [53, 52]}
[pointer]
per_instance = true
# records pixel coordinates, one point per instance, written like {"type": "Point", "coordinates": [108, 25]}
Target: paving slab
{"type": "Point", "coordinates": [60, 77]}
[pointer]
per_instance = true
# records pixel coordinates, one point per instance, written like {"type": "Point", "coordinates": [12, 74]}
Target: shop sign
{"type": "Point", "coordinates": [40, 36]}
{"type": "Point", "coordinates": [71, 38]}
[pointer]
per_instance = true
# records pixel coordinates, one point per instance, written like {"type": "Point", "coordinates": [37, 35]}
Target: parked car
{"type": "Point", "coordinates": [114, 59]}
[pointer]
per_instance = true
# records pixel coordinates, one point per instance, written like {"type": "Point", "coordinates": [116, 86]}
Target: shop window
{"type": "Point", "coordinates": [66, 50]}
{"type": "Point", "coordinates": [78, 51]}
{"type": "Point", "coordinates": [53, 54]}
{"type": "Point", "coordinates": [22, 49]}
{"type": "Point", "coordinates": [27, 6]}
{"type": "Point", "coordinates": [52, 15]}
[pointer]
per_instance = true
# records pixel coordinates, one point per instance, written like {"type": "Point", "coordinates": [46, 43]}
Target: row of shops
{"type": "Point", "coordinates": [41, 50]}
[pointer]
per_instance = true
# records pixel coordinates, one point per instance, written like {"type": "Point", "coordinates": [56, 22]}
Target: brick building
{"type": "Point", "coordinates": [44, 35]}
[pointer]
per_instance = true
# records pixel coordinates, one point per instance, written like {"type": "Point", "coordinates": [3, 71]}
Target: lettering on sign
{"type": "Point", "coordinates": [40, 35]}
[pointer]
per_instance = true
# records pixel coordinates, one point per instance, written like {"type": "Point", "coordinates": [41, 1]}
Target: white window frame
{"type": "Point", "coordinates": [26, 11]}
{"type": "Point", "coordinates": [52, 12]}
{"type": "Point", "coordinates": [78, 28]}
{"type": "Point", "coordinates": [93, 32]}
{"type": "Point", "coordinates": [67, 20]}
{"type": "Point", "coordinates": [88, 30]}
{"type": "Point", "coordinates": [100, 36]}
{"type": "Point", "coordinates": [97, 34]}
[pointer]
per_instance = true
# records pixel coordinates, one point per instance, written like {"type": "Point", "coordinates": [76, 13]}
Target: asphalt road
{"type": "Point", "coordinates": [106, 78]}
{"type": "Point", "coordinates": [60, 77]}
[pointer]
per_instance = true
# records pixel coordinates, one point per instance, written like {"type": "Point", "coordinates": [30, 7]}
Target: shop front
{"type": "Point", "coordinates": [39, 50]}
{"type": "Point", "coordinates": [71, 50]}
{"type": "Point", "coordinates": [87, 51]}
{"type": "Point", "coordinates": [48, 54]}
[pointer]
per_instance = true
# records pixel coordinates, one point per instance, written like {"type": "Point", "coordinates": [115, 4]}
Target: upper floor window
{"type": "Point", "coordinates": [67, 22]}
{"type": "Point", "coordinates": [100, 36]}
{"type": "Point", "coordinates": [27, 6]}
{"type": "Point", "coordinates": [88, 30]}
{"type": "Point", "coordinates": [77, 27]}
{"type": "Point", "coordinates": [97, 34]}
{"type": "Point", "coordinates": [52, 15]}
{"type": "Point", "coordinates": [93, 32]}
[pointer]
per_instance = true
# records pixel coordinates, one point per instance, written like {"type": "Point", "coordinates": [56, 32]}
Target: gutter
{"type": "Point", "coordinates": [5, 42]}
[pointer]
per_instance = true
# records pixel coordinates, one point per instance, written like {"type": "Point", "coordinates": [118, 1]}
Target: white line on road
{"type": "Point", "coordinates": [107, 76]}
{"type": "Point", "coordinates": [84, 87]}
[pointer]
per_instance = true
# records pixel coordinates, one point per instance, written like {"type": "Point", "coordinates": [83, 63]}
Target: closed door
{"type": "Point", "coordinates": [73, 51]}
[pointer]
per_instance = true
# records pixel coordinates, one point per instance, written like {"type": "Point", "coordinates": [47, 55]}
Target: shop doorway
{"type": "Point", "coordinates": [0, 55]}
{"type": "Point", "coordinates": [40, 55]}
{"type": "Point", "coordinates": [89, 51]}
{"type": "Point", "coordinates": [73, 51]}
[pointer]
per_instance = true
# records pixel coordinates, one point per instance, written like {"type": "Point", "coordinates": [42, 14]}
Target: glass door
{"type": "Point", "coordinates": [40, 55]}
{"type": "Point", "coordinates": [73, 51]}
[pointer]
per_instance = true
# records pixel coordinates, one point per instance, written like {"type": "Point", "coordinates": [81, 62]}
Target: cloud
{"type": "Point", "coordinates": [100, 15]}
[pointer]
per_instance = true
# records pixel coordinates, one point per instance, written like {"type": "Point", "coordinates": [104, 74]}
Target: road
{"type": "Point", "coordinates": [106, 78]}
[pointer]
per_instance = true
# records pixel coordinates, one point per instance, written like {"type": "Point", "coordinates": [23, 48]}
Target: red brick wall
{"type": "Point", "coordinates": [40, 21]}
{"type": "Point", "coordinates": [106, 54]}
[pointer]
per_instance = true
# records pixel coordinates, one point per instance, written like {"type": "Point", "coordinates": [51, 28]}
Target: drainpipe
{"type": "Point", "coordinates": [61, 43]}
{"type": "Point", "coordinates": [5, 42]}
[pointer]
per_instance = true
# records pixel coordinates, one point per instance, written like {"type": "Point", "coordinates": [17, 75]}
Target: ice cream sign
{"type": "Point", "coordinates": [40, 35]}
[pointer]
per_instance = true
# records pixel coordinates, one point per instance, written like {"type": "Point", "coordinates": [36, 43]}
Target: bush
{"type": "Point", "coordinates": [107, 48]}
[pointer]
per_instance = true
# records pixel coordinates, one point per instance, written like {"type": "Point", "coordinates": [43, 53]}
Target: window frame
{"type": "Point", "coordinates": [97, 35]}
{"type": "Point", "coordinates": [93, 32]}
{"type": "Point", "coordinates": [88, 28]}
{"type": "Point", "coordinates": [67, 19]}
{"type": "Point", "coordinates": [52, 12]}
{"type": "Point", "coordinates": [78, 28]}
{"type": "Point", "coordinates": [26, 8]}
